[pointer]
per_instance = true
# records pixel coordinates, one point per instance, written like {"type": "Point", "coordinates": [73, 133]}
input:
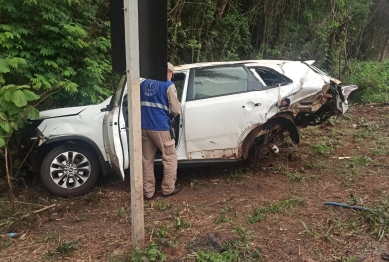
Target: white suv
{"type": "Point", "coordinates": [227, 108]}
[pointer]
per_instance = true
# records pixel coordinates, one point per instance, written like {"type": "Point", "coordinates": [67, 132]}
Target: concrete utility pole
{"type": "Point", "coordinates": [134, 121]}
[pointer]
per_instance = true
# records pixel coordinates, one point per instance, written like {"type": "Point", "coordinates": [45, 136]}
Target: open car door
{"type": "Point", "coordinates": [112, 129]}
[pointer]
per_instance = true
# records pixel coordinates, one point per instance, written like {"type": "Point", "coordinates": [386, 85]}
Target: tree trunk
{"type": "Point", "coordinates": [9, 176]}
{"type": "Point", "coordinates": [382, 56]}
{"type": "Point", "coordinates": [222, 7]}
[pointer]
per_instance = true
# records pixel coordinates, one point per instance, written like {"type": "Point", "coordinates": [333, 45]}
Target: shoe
{"type": "Point", "coordinates": [175, 191]}
{"type": "Point", "coordinates": [149, 198]}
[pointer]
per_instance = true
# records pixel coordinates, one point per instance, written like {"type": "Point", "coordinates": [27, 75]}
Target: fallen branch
{"type": "Point", "coordinates": [34, 212]}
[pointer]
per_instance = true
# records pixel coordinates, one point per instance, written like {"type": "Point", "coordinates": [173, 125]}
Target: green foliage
{"type": "Point", "coordinates": [152, 253]}
{"type": "Point", "coordinates": [181, 223]}
{"type": "Point", "coordinates": [212, 256]}
{"type": "Point", "coordinates": [48, 44]}
{"type": "Point", "coordinates": [224, 218]}
{"type": "Point", "coordinates": [360, 160]}
{"type": "Point", "coordinates": [63, 249]}
{"type": "Point", "coordinates": [161, 206]}
{"type": "Point", "coordinates": [372, 79]}
{"type": "Point", "coordinates": [320, 149]}
{"type": "Point", "coordinates": [293, 175]}
{"type": "Point", "coordinates": [236, 176]}
{"type": "Point", "coordinates": [14, 109]}
{"type": "Point", "coordinates": [207, 30]}
{"type": "Point", "coordinates": [120, 211]}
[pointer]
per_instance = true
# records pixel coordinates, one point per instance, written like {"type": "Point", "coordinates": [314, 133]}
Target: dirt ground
{"type": "Point", "coordinates": [278, 209]}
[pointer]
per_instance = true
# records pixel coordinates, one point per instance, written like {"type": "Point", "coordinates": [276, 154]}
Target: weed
{"type": "Point", "coordinates": [193, 182]}
{"type": "Point", "coordinates": [244, 233]}
{"type": "Point", "coordinates": [8, 214]}
{"type": "Point", "coordinates": [307, 231]}
{"type": "Point", "coordinates": [320, 149]}
{"type": "Point", "coordinates": [161, 206]}
{"type": "Point", "coordinates": [49, 238]}
{"type": "Point", "coordinates": [378, 151]}
{"type": "Point", "coordinates": [212, 256]}
{"type": "Point", "coordinates": [235, 176]}
{"type": "Point", "coordinates": [378, 220]}
{"type": "Point", "coordinates": [161, 232]}
{"type": "Point", "coordinates": [281, 207]}
{"type": "Point", "coordinates": [295, 176]}
{"type": "Point", "coordinates": [375, 220]}
{"type": "Point", "coordinates": [120, 211]}
{"type": "Point", "coordinates": [233, 250]}
{"type": "Point", "coordinates": [224, 218]}
{"type": "Point", "coordinates": [65, 248]}
{"type": "Point", "coordinates": [226, 209]}
{"type": "Point", "coordinates": [347, 116]}
{"type": "Point", "coordinates": [181, 224]}
{"type": "Point", "coordinates": [366, 132]}
{"type": "Point", "coordinates": [361, 160]}
{"type": "Point", "coordinates": [152, 253]}
{"type": "Point", "coordinates": [352, 259]}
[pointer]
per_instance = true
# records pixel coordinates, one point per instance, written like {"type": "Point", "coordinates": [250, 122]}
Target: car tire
{"type": "Point", "coordinates": [69, 171]}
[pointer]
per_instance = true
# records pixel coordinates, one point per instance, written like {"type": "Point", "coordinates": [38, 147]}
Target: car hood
{"type": "Point", "coordinates": [62, 112]}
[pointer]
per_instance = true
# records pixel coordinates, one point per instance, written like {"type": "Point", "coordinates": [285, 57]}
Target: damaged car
{"type": "Point", "coordinates": [230, 110]}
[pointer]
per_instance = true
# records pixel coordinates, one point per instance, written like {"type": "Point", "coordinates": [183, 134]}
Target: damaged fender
{"type": "Point", "coordinates": [282, 119]}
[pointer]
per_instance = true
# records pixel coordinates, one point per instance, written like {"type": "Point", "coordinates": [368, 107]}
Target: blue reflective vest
{"type": "Point", "coordinates": [155, 105]}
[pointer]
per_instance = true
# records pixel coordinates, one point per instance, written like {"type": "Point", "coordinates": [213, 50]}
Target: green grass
{"type": "Point", "coordinates": [293, 175]}
{"type": "Point", "coordinates": [280, 207]}
{"type": "Point", "coordinates": [224, 218]}
{"type": "Point", "coordinates": [373, 221]}
{"type": "Point", "coordinates": [360, 160]}
{"type": "Point", "coordinates": [321, 149]}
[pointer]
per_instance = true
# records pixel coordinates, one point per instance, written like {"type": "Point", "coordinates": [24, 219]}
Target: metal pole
{"type": "Point", "coordinates": [134, 121]}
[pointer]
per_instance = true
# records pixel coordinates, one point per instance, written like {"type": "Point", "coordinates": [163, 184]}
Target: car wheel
{"type": "Point", "coordinates": [69, 172]}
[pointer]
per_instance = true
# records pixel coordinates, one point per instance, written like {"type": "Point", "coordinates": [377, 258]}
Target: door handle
{"type": "Point", "coordinates": [251, 105]}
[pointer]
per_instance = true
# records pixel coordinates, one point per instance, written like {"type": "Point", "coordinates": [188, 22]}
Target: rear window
{"type": "Point", "coordinates": [272, 78]}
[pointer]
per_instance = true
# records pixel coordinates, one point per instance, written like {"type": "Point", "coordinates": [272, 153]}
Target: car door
{"type": "Point", "coordinates": [222, 106]}
{"type": "Point", "coordinates": [112, 130]}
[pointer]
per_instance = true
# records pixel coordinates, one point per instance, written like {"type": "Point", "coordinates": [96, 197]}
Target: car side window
{"type": "Point", "coordinates": [271, 77]}
{"type": "Point", "coordinates": [218, 81]}
{"type": "Point", "coordinates": [179, 81]}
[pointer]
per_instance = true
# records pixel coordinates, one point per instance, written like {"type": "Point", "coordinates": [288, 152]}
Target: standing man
{"type": "Point", "coordinates": [159, 104]}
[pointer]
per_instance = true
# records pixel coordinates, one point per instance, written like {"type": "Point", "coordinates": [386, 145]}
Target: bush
{"type": "Point", "coordinates": [372, 79]}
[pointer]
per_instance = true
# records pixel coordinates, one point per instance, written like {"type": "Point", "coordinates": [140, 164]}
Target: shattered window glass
{"type": "Point", "coordinates": [272, 78]}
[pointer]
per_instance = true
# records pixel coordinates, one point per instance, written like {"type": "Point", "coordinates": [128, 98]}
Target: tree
{"type": "Point", "coordinates": [46, 43]}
